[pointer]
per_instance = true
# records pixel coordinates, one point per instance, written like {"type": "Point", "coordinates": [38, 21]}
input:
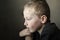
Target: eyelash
{"type": "Point", "coordinates": [29, 19]}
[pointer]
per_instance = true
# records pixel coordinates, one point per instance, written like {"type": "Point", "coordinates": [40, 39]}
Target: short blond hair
{"type": "Point", "coordinates": [41, 8]}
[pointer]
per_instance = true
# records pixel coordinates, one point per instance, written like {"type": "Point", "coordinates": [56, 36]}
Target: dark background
{"type": "Point", "coordinates": [11, 17]}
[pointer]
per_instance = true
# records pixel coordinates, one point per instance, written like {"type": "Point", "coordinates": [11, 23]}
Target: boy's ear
{"type": "Point", "coordinates": [43, 19]}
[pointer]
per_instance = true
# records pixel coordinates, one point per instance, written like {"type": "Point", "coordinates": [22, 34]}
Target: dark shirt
{"type": "Point", "coordinates": [50, 32]}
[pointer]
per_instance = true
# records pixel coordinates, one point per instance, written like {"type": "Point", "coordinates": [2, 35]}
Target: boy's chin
{"type": "Point", "coordinates": [32, 31]}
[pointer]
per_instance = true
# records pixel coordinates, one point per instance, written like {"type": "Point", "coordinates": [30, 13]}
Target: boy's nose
{"type": "Point", "coordinates": [25, 23]}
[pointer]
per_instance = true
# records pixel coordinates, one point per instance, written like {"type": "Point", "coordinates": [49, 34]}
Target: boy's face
{"type": "Point", "coordinates": [32, 21]}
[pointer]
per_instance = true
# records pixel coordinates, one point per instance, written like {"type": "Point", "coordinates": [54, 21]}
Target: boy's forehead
{"type": "Point", "coordinates": [28, 11]}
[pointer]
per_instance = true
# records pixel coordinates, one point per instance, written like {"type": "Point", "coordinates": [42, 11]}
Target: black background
{"type": "Point", "coordinates": [11, 19]}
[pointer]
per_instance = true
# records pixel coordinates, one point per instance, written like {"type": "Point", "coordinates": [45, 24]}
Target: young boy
{"type": "Point", "coordinates": [37, 22]}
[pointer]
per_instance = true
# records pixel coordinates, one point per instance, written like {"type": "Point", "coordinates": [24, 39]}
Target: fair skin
{"type": "Point", "coordinates": [32, 22]}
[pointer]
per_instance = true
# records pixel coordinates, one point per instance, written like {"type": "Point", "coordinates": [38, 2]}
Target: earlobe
{"type": "Point", "coordinates": [43, 19]}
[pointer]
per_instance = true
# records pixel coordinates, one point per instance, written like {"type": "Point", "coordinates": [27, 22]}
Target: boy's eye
{"type": "Point", "coordinates": [29, 18]}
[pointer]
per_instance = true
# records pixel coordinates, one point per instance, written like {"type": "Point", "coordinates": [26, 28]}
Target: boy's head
{"type": "Point", "coordinates": [36, 14]}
